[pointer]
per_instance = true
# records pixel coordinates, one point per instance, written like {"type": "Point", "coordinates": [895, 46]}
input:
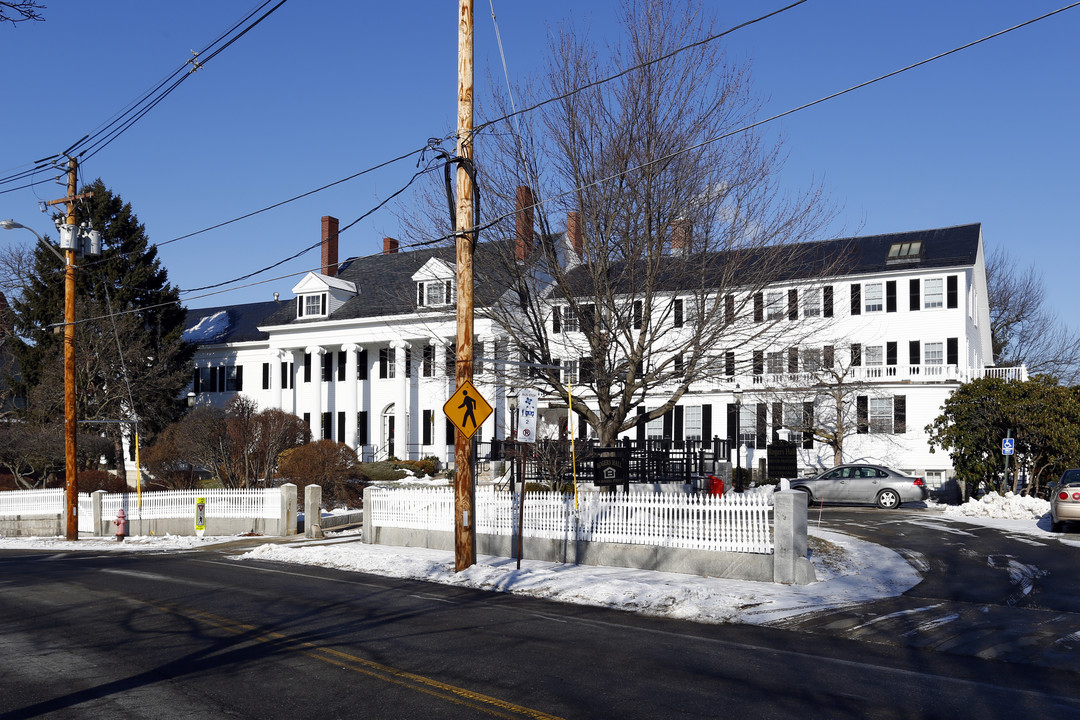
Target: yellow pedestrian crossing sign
{"type": "Point", "coordinates": [467, 409]}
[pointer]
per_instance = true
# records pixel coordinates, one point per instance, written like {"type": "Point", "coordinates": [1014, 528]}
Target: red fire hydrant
{"type": "Point", "coordinates": [716, 485]}
{"type": "Point", "coordinates": [121, 525]}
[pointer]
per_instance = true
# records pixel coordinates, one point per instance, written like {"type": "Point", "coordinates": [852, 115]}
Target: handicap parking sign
{"type": "Point", "coordinates": [1007, 446]}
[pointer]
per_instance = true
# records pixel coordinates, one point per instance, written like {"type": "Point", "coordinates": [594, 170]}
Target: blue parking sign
{"type": "Point", "coordinates": [1007, 446]}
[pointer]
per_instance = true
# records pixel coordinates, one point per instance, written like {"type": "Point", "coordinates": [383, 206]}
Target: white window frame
{"type": "Point", "coordinates": [933, 293]}
{"type": "Point", "coordinates": [879, 414]}
{"type": "Point", "coordinates": [933, 353]}
{"type": "Point", "coordinates": [874, 297]}
{"type": "Point", "coordinates": [775, 363]}
{"type": "Point", "coordinates": [692, 422]}
{"type": "Point", "coordinates": [747, 425]}
{"type": "Point", "coordinates": [873, 355]}
{"type": "Point", "coordinates": [568, 320]}
{"type": "Point", "coordinates": [569, 370]}
{"type": "Point", "coordinates": [435, 293]}
{"type": "Point", "coordinates": [793, 418]}
{"type": "Point", "coordinates": [774, 305]}
{"type": "Point", "coordinates": [811, 359]}
{"type": "Point", "coordinates": [811, 302]}
{"type": "Point", "coordinates": [313, 305]}
{"type": "Point", "coordinates": [654, 429]}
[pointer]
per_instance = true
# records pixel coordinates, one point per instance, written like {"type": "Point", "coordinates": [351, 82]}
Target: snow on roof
{"type": "Point", "coordinates": [208, 329]}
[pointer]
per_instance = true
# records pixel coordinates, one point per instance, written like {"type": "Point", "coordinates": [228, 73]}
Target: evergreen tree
{"type": "Point", "coordinates": [131, 361]}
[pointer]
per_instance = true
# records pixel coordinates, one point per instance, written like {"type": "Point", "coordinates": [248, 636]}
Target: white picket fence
{"type": "Point", "coordinates": [734, 523]}
{"type": "Point", "coordinates": [221, 503]}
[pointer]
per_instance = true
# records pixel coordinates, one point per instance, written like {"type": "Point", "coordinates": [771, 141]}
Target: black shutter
{"type": "Point", "coordinates": [913, 290]}
{"type": "Point", "coordinates": [732, 422]}
{"type": "Point", "coordinates": [729, 309]}
{"type": "Point", "coordinates": [327, 366]}
{"type": "Point", "coordinates": [668, 425]}
{"type": "Point", "coordinates": [641, 424]}
{"type": "Point", "coordinates": [266, 376]}
{"type": "Point", "coordinates": [899, 414]}
{"type": "Point", "coordinates": [677, 432]}
{"type": "Point", "coordinates": [828, 358]}
{"type": "Point", "coordinates": [952, 299]}
{"type": "Point", "coordinates": [450, 430]}
{"type": "Point", "coordinates": [759, 362]}
{"type": "Point", "coordinates": [420, 294]}
{"type": "Point", "coordinates": [677, 314]}
{"type": "Point", "coordinates": [793, 360]}
{"type": "Point", "coordinates": [808, 425]}
{"type": "Point", "coordinates": [341, 426]}
{"type": "Point", "coordinates": [240, 377]}
{"type": "Point", "coordinates": [307, 367]}
{"type": "Point", "coordinates": [361, 427]}
{"type": "Point", "coordinates": [556, 320]}
{"type": "Point", "coordinates": [862, 414]}
{"type": "Point", "coordinates": [637, 314]}
{"type": "Point", "coordinates": [284, 375]}
{"type": "Point", "coordinates": [914, 353]}
{"type": "Point", "coordinates": [761, 441]}
{"type": "Point", "coordinates": [706, 424]}
{"type": "Point", "coordinates": [195, 382]}
{"type": "Point", "coordinates": [890, 353]}
{"type": "Point", "coordinates": [299, 306]}
{"type": "Point", "coordinates": [428, 421]}
{"type": "Point", "coordinates": [729, 363]}
{"type": "Point", "coordinates": [759, 307]}
{"type": "Point", "coordinates": [952, 351]}
{"type": "Point", "coordinates": [856, 299]}
{"type": "Point", "coordinates": [827, 301]}
{"type": "Point", "coordinates": [342, 361]}
{"type": "Point", "coordinates": [793, 304]}
{"type": "Point", "coordinates": [362, 365]}
{"type": "Point", "coordinates": [327, 430]}
{"type": "Point", "coordinates": [220, 379]}
{"type": "Point", "coordinates": [856, 354]}
{"type": "Point", "coordinates": [322, 306]}
{"type": "Point", "coordinates": [384, 362]}
{"type": "Point", "coordinates": [777, 420]}
{"type": "Point", "coordinates": [890, 296]}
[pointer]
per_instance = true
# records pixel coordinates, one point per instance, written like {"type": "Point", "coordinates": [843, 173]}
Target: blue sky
{"type": "Point", "coordinates": [321, 90]}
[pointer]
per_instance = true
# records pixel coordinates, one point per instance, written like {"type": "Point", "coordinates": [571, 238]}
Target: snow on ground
{"type": "Point", "coordinates": [849, 570]}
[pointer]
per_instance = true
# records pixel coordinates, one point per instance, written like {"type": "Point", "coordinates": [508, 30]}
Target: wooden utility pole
{"type": "Point", "coordinates": [464, 517]}
{"type": "Point", "coordinates": [71, 486]}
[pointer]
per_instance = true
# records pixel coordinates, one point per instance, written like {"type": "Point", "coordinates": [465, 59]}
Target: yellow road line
{"type": "Point", "coordinates": [445, 691]}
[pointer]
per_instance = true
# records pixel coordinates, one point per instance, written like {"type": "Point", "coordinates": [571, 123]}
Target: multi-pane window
{"type": "Point", "coordinates": [654, 430]}
{"type": "Point", "coordinates": [569, 320]}
{"type": "Point", "coordinates": [811, 359]}
{"type": "Point", "coordinates": [873, 298]}
{"type": "Point", "coordinates": [433, 293]}
{"type": "Point", "coordinates": [880, 415]}
{"type": "Point", "coordinates": [748, 424]}
{"type": "Point", "coordinates": [692, 422]}
{"type": "Point", "coordinates": [313, 305]}
{"type": "Point", "coordinates": [570, 371]}
{"type": "Point", "coordinates": [932, 294]}
{"type": "Point", "coordinates": [934, 353]}
{"type": "Point", "coordinates": [873, 355]}
{"type": "Point", "coordinates": [774, 305]}
{"type": "Point", "coordinates": [811, 302]}
{"type": "Point", "coordinates": [793, 420]}
{"type": "Point", "coordinates": [428, 361]}
{"type": "Point", "coordinates": [774, 362]}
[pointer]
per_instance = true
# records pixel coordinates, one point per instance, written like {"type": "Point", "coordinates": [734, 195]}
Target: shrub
{"type": "Point", "coordinates": [91, 480]}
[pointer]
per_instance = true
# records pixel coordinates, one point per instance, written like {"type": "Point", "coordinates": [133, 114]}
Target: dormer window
{"type": "Point", "coordinates": [901, 251]}
{"type": "Point", "coordinates": [311, 305]}
{"type": "Point", "coordinates": [434, 293]}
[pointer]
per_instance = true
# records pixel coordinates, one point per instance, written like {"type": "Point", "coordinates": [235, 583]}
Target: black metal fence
{"type": "Point", "coordinates": [648, 461]}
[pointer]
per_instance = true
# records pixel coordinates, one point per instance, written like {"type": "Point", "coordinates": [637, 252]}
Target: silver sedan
{"type": "Point", "coordinates": [870, 484]}
{"type": "Point", "coordinates": [1065, 500]}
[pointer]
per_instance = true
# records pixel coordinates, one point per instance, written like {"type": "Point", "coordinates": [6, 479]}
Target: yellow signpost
{"type": "Point", "coordinates": [467, 409]}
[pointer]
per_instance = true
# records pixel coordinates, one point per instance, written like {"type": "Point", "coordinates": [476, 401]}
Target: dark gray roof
{"type": "Point", "coordinates": [229, 323]}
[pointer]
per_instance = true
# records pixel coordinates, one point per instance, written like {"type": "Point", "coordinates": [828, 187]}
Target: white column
{"type": "Point", "coordinates": [438, 371]}
{"type": "Point", "coordinates": [314, 391]}
{"type": "Point", "coordinates": [351, 390]}
{"type": "Point", "coordinates": [276, 357]}
{"type": "Point", "coordinates": [401, 405]}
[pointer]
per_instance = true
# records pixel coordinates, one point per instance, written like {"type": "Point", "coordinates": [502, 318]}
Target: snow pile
{"type": "Point", "coordinates": [1008, 507]}
{"type": "Point", "coordinates": [864, 572]}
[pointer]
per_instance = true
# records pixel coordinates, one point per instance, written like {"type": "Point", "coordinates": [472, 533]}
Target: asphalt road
{"type": "Point", "coordinates": [985, 592]}
{"type": "Point", "coordinates": [196, 634]}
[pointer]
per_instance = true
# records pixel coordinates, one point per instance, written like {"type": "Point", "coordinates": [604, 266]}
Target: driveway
{"type": "Point", "coordinates": [986, 592]}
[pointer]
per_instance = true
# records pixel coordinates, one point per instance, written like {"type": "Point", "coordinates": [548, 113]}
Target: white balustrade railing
{"type": "Point", "coordinates": [736, 523]}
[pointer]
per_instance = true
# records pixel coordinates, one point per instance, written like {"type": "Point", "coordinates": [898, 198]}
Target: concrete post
{"type": "Point", "coordinates": [95, 498]}
{"type": "Point", "coordinates": [313, 511]}
{"type": "Point", "coordinates": [369, 532]}
{"type": "Point", "coordinates": [287, 516]}
{"type": "Point", "coordinates": [790, 561]}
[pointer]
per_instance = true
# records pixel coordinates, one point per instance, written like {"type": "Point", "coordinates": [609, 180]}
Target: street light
{"type": "Point", "coordinates": [737, 393]}
{"type": "Point", "coordinates": [71, 486]}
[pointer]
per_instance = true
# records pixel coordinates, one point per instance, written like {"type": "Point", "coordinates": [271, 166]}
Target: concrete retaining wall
{"type": "Point", "coordinates": [32, 525]}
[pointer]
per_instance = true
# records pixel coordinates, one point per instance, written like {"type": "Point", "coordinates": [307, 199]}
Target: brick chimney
{"type": "Point", "coordinates": [524, 237]}
{"type": "Point", "coordinates": [573, 232]}
{"type": "Point", "coordinates": [682, 233]}
{"type": "Point", "coordinates": [329, 245]}
{"type": "Point", "coordinates": [389, 246]}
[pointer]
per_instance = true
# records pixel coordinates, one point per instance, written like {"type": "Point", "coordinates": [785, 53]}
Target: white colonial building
{"type": "Point", "coordinates": [364, 352]}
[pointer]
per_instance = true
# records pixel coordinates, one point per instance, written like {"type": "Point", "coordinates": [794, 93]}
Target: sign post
{"type": "Point", "coordinates": [1008, 445]}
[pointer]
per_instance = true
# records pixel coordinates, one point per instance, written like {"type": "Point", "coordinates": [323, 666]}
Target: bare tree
{"type": "Point", "coordinates": [1023, 330]}
{"type": "Point", "coordinates": [674, 221]}
{"type": "Point", "coordinates": [20, 10]}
